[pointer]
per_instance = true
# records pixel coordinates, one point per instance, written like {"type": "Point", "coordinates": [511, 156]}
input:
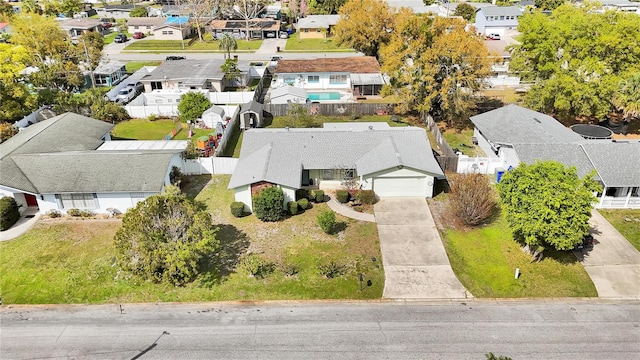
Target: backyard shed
{"type": "Point", "coordinates": [212, 116]}
{"type": "Point", "coordinates": [251, 115]}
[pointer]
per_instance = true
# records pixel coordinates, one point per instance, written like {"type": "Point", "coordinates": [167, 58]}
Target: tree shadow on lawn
{"type": "Point", "coordinates": [233, 244]}
{"type": "Point", "coordinates": [192, 185]}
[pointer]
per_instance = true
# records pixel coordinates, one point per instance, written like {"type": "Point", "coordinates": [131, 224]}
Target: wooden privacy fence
{"type": "Point", "coordinates": [334, 109]}
{"type": "Point", "coordinates": [442, 143]}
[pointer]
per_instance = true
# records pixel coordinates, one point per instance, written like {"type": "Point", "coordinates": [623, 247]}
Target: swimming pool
{"type": "Point", "coordinates": [324, 96]}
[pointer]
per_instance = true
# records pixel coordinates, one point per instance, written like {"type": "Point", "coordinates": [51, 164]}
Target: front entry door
{"type": "Point", "coordinates": [305, 177]}
{"type": "Point", "coordinates": [31, 200]}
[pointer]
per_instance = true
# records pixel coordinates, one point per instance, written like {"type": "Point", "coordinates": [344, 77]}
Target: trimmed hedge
{"type": "Point", "coordinates": [303, 204]}
{"type": "Point", "coordinates": [302, 194]}
{"type": "Point", "coordinates": [292, 206]}
{"type": "Point", "coordinates": [366, 196]}
{"type": "Point", "coordinates": [327, 221]}
{"type": "Point", "coordinates": [74, 212]}
{"type": "Point", "coordinates": [267, 205]}
{"type": "Point", "coordinates": [318, 196]}
{"type": "Point", "coordinates": [342, 196]}
{"type": "Point", "coordinates": [237, 209]}
{"type": "Point", "coordinates": [9, 212]}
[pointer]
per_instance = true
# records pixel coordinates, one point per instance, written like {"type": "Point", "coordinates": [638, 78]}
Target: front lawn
{"type": "Point", "coordinates": [70, 261]}
{"type": "Point", "coordinates": [133, 66]}
{"type": "Point", "coordinates": [295, 44]}
{"type": "Point", "coordinates": [177, 45]}
{"type": "Point", "coordinates": [485, 259]}
{"type": "Point", "coordinates": [627, 222]}
{"type": "Point", "coordinates": [284, 121]}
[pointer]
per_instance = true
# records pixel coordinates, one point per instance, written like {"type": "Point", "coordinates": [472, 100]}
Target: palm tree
{"type": "Point", "coordinates": [227, 43]}
{"type": "Point", "coordinates": [627, 96]}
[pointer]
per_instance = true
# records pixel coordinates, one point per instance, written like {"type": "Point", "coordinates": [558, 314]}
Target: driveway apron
{"type": "Point", "coordinates": [613, 263]}
{"type": "Point", "coordinates": [415, 263]}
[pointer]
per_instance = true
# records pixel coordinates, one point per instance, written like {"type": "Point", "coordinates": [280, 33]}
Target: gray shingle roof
{"type": "Point", "coordinates": [513, 124]}
{"type": "Point", "coordinates": [288, 90]}
{"type": "Point", "coordinates": [190, 69]}
{"type": "Point", "coordinates": [279, 155]}
{"type": "Point", "coordinates": [96, 171]}
{"type": "Point", "coordinates": [317, 21]}
{"type": "Point", "coordinates": [566, 154]}
{"type": "Point", "coordinates": [618, 163]}
{"type": "Point", "coordinates": [501, 10]}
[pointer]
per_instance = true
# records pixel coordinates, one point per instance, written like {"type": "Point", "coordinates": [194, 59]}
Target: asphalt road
{"type": "Point", "coordinates": [361, 330]}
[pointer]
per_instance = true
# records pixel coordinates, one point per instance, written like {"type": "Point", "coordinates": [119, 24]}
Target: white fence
{"type": "Point", "coordinates": [166, 103]}
{"type": "Point", "coordinates": [479, 165]}
{"type": "Point", "coordinates": [209, 165]}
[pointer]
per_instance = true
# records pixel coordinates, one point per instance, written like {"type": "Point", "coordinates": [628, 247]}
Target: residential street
{"type": "Point", "coordinates": [543, 329]}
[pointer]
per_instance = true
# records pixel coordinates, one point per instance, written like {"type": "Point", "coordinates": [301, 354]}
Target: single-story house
{"type": "Point", "coordinates": [191, 74]}
{"type": "Point", "coordinates": [287, 94]}
{"type": "Point", "coordinates": [145, 25]}
{"type": "Point", "coordinates": [501, 76]}
{"type": "Point", "coordinates": [110, 73]}
{"type": "Point", "coordinates": [357, 75]}
{"type": "Point", "coordinates": [251, 115]}
{"type": "Point", "coordinates": [316, 26]}
{"type": "Point", "coordinates": [258, 28]}
{"type": "Point", "coordinates": [116, 11]}
{"type": "Point", "coordinates": [497, 19]}
{"type": "Point", "coordinates": [174, 28]}
{"type": "Point", "coordinates": [391, 162]}
{"type": "Point", "coordinates": [57, 164]}
{"type": "Point", "coordinates": [76, 27]}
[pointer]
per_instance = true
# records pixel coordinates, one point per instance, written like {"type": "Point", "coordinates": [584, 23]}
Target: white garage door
{"type": "Point", "coordinates": [405, 186]}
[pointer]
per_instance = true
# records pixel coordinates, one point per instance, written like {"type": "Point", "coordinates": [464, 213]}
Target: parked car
{"type": "Point", "coordinates": [493, 36]}
{"type": "Point", "coordinates": [120, 38]}
{"type": "Point", "coordinates": [284, 35]}
{"type": "Point", "coordinates": [125, 95]}
{"type": "Point", "coordinates": [106, 24]}
{"type": "Point", "coordinates": [274, 60]}
{"type": "Point", "coordinates": [138, 35]}
{"type": "Point", "coordinates": [137, 86]}
{"type": "Point", "coordinates": [173, 57]}
{"type": "Point", "coordinates": [270, 34]}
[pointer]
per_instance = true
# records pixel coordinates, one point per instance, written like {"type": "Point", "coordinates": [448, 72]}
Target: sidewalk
{"type": "Point", "coordinates": [23, 225]}
{"type": "Point", "coordinates": [345, 211]}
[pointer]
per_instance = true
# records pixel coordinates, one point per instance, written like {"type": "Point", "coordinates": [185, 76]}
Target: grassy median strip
{"type": "Point", "coordinates": [70, 261]}
{"type": "Point", "coordinates": [627, 222]}
{"type": "Point", "coordinates": [177, 45]}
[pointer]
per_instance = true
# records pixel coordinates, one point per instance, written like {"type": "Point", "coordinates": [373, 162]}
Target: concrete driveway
{"type": "Point", "coordinates": [415, 263]}
{"type": "Point", "coordinates": [613, 264]}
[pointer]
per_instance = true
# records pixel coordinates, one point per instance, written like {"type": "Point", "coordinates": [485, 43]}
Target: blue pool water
{"type": "Point", "coordinates": [324, 96]}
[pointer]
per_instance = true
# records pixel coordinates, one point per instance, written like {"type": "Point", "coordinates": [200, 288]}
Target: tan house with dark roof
{"type": "Point", "coordinates": [144, 24]}
{"type": "Point", "coordinates": [258, 28]}
{"type": "Point", "coordinates": [359, 75]}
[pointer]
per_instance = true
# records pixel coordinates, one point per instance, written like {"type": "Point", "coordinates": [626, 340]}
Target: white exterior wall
{"type": "Point", "coordinates": [323, 83]}
{"type": "Point", "coordinates": [289, 195]}
{"type": "Point", "coordinates": [400, 173]}
{"type": "Point", "coordinates": [146, 29]}
{"type": "Point", "coordinates": [47, 202]}
{"type": "Point", "coordinates": [174, 32]}
{"type": "Point", "coordinates": [176, 160]}
{"type": "Point", "coordinates": [508, 156]}
{"type": "Point", "coordinates": [243, 195]}
{"type": "Point", "coordinates": [484, 144]}
{"type": "Point", "coordinates": [479, 165]}
{"type": "Point", "coordinates": [17, 195]}
{"type": "Point", "coordinates": [120, 201]}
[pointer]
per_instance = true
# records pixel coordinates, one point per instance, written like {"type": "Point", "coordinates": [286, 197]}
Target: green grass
{"type": "Point", "coordinates": [457, 137]}
{"type": "Point", "coordinates": [284, 121]}
{"type": "Point", "coordinates": [485, 259]}
{"type": "Point", "coordinates": [176, 45]}
{"type": "Point", "coordinates": [295, 44]}
{"type": "Point", "coordinates": [69, 261]}
{"type": "Point", "coordinates": [236, 149]}
{"type": "Point", "coordinates": [133, 66]}
{"type": "Point", "coordinates": [108, 39]}
{"type": "Point", "coordinates": [142, 129]}
{"type": "Point", "coordinates": [629, 229]}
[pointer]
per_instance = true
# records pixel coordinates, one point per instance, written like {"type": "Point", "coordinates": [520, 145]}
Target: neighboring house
{"type": "Point", "coordinates": [273, 11]}
{"type": "Point", "coordinates": [620, 5]}
{"type": "Point", "coordinates": [115, 11]}
{"type": "Point", "coordinates": [174, 28]}
{"type": "Point", "coordinates": [175, 10]}
{"type": "Point", "coordinates": [391, 161]}
{"type": "Point", "coordinates": [316, 26]}
{"type": "Point", "coordinates": [5, 28]}
{"type": "Point", "coordinates": [417, 6]}
{"type": "Point", "coordinates": [59, 164]}
{"type": "Point", "coordinates": [110, 73]}
{"type": "Point", "coordinates": [145, 25]}
{"type": "Point", "coordinates": [76, 27]}
{"type": "Point", "coordinates": [501, 76]}
{"type": "Point", "coordinates": [497, 19]}
{"type": "Point", "coordinates": [357, 75]}
{"type": "Point", "coordinates": [191, 74]}
{"type": "Point", "coordinates": [287, 94]}
{"type": "Point", "coordinates": [258, 28]}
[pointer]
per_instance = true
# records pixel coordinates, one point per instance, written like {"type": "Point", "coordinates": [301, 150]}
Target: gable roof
{"type": "Point", "coordinates": [513, 124]}
{"type": "Point", "coordinates": [253, 106]}
{"type": "Point", "coordinates": [279, 155]}
{"type": "Point", "coordinates": [197, 71]}
{"type": "Point", "coordinates": [566, 154]}
{"type": "Point", "coordinates": [501, 10]}
{"type": "Point", "coordinates": [288, 90]}
{"type": "Point", "coordinates": [82, 23]}
{"type": "Point", "coordinates": [213, 110]}
{"type": "Point", "coordinates": [354, 65]}
{"type": "Point", "coordinates": [318, 21]}
{"type": "Point", "coordinates": [618, 163]}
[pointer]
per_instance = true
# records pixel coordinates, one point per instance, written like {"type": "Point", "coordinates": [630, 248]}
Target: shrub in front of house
{"type": "Point", "coordinates": [318, 196]}
{"type": "Point", "coordinates": [366, 196]}
{"type": "Point", "coordinates": [74, 212]}
{"type": "Point", "coordinates": [53, 213]}
{"type": "Point", "coordinates": [267, 205]}
{"type": "Point", "coordinates": [342, 196]}
{"type": "Point", "coordinates": [303, 204]}
{"type": "Point", "coordinates": [86, 213]}
{"type": "Point", "coordinates": [9, 212]}
{"type": "Point", "coordinates": [292, 206]}
{"type": "Point", "coordinates": [237, 209]}
{"type": "Point", "coordinates": [302, 194]}
{"type": "Point", "coordinates": [327, 221]}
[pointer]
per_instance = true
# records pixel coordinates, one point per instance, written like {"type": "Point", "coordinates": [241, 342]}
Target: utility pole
{"type": "Point", "coordinates": [86, 52]}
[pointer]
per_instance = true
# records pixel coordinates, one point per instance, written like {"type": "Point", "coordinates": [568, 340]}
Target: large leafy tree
{"type": "Point", "coordinates": [575, 59]}
{"type": "Point", "coordinates": [465, 10]}
{"type": "Point", "coordinates": [547, 205]}
{"type": "Point", "coordinates": [627, 96]}
{"type": "Point", "coordinates": [90, 103]}
{"type": "Point", "coordinates": [364, 25]}
{"type": "Point", "coordinates": [16, 100]}
{"type": "Point", "coordinates": [91, 43]}
{"type": "Point", "coordinates": [199, 10]}
{"type": "Point", "coordinates": [165, 239]}
{"type": "Point", "coordinates": [435, 66]}
{"type": "Point", "coordinates": [138, 12]}
{"type": "Point", "coordinates": [548, 4]}
{"type": "Point", "coordinates": [192, 105]}
{"type": "Point", "coordinates": [325, 7]}
{"type": "Point", "coordinates": [249, 9]}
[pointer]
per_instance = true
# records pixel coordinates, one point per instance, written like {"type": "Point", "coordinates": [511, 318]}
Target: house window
{"type": "Point", "coordinates": [158, 101]}
{"type": "Point", "coordinates": [77, 201]}
{"type": "Point", "coordinates": [313, 79]}
{"type": "Point", "coordinates": [170, 32]}
{"type": "Point", "coordinates": [289, 80]}
{"type": "Point", "coordinates": [349, 174]}
{"type": "Point", "coordinates": [306, 30]}
{"type": "Point", "coordinates": [318, 30]}
{"type": "Point", "coordinates": [164, 32]}
{"type": "Point", "coordinates": [208, 85]}
{"type": "Point", "coordinates": [502, 17]}
{"type": "Point", "coordinates": [136, 27]}
{"type": "Point", "coordinates": [327, 174]}
{"type": "Point", "coordinates": [148, 27]}
{"type": "Point", "coordinates": [337, 79]}
{"type": "Point", "coordinates": [156, 85]}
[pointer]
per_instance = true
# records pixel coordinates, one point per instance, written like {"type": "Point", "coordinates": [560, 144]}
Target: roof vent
{"type": "Point", "coordinates": [538, 121]}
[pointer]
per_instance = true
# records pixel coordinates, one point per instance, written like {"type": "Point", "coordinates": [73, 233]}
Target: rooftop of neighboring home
{"type": "Point", "coordinates": [120, 7]}
{"type": "Point", "coordinates": [513, 124]}
{"type": "Point", "coordinates": [3, 25]}
{"type": "Point", "coordinates": [358, 65]}
{"type": "Point", "coordinates": [317, 21]}
{"type": "Point", "coordinates": [81, 23]}
{"type": "Point", "coordinates": [192, 71]}
{"type": "Point", "coordinates": [147, 20]}
{"type": "Point", "coordinates": [109, 67]}
{"type": "Point", "coordinates": [254, 24]}
{"type": "Point", "coordinates": [501, 10]}
{"type": "Point", "coordinates": [288, 90]}
{"type": "Point", "coordinates": [279, 155]}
